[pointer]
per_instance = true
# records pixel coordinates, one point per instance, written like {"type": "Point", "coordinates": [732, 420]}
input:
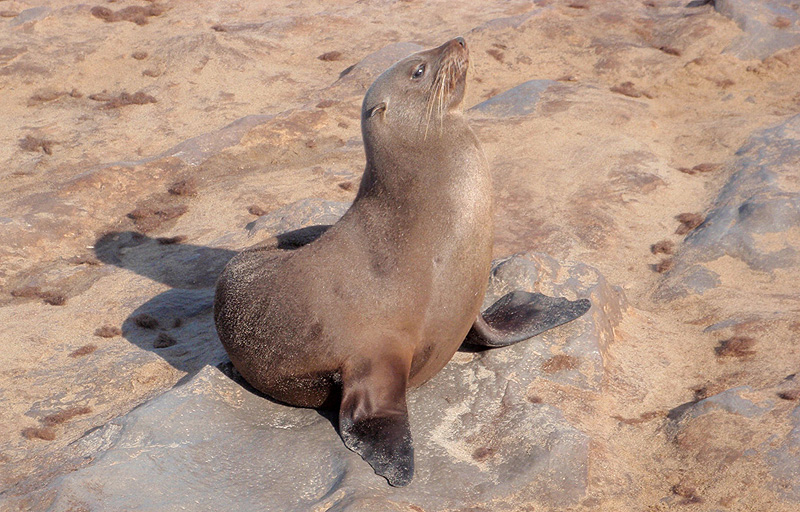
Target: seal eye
{"type": "Point", "coordinates": [419, 71]}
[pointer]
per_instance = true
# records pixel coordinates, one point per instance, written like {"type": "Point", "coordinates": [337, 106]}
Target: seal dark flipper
{"type": "Point", "coordinates": [373, 419]}
{"type": "Point", "coordinates": [521, 315]}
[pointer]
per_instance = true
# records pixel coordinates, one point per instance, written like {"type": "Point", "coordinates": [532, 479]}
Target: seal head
{"type": "Point", "coordinates": [412, 96]}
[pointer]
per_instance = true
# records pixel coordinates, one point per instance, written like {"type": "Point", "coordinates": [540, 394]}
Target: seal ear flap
{"type": "Point", "coordinates": [380, 108]}
{"type": "Point", "coordinates": [520, 315]}
{"type": "Point", "coordinates": [373, 418]}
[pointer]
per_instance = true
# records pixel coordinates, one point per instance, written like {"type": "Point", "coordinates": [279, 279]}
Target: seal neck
{"type": "Point", "coordinates": [424, 168]}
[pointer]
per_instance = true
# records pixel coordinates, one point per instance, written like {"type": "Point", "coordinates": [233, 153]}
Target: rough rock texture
{"type": "Point", "coordinates": [482, 436]}
{"type": "Point", "coordinates": [768, 26]}
{"type": "Point", "coordinates": [754, 219]}
{"type": "Point", "coordinates": [741, 430]}
{"type": "Point", "coordinates": [585, 350]}
{"type": "Point", "coordinates": [299, 215]}
{"type": "Point", "coordinates": [610, 127]}
{"type": "Point", "coordinates": [519, 101]}
{"type": "Point", "coordinates": [230, 448]}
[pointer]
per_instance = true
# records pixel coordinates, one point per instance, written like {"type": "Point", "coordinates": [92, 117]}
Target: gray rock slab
{"type": "Point", "coordinates": [730, 400]}
{"type": "Point", "coordinates": [746, 411]}
{"type": "Point", "coordinates": [510, 22]}
{"type": "Point", "coordinates": [517, 101]}
{"type": "Point", "coordinates": [753, 217]}
{"type": "Point", "coordinates": [482, 437]}
{"type": "Point", "coordinates": [589, 338]}
{"type": "Point", "coordinates": [783, 462]}
{"type": "Point", "coordinates": [768, 26]}
{"type": "Point", "coordinates": [32, 14]}
{"type": "Point", "coordinates": [196, 150]}
{"type": "Point", "coordinates": [205, 445]}
{"type": "Point", "coordinates": [211, 444]}
{"type": "Point", "coordinates": [300, 214]}
{"type": "Point", "coordinates": [782, 459]}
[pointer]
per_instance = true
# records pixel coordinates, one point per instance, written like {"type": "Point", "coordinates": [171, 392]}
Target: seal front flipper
{"type": "Point", "coordinates": [521, 315]}
{"type": "Point", "coordinates": [373, 419]}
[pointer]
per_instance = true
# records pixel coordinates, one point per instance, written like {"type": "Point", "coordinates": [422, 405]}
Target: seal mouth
{"type": "Point", "coordinates": [448, 86]}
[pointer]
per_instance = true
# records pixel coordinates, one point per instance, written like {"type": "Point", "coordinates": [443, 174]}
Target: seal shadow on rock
{"type": "Point", "coordinates": [381, 300]}
{"type": "Point", "coordinates": [176, 324]}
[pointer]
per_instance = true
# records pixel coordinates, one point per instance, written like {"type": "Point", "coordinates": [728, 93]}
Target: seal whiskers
{"type": "Point", "coordinates": [451, 68]}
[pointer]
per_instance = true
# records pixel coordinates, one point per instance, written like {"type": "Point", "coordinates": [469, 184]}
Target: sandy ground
{"type": "Point", "coordinates": [93, 124]}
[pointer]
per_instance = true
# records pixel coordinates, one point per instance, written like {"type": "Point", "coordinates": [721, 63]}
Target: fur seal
{"type": "Point", "coordinates": [382, 299]}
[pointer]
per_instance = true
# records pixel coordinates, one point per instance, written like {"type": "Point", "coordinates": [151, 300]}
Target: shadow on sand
{"type": "Point", "coordinates": [178, 324]}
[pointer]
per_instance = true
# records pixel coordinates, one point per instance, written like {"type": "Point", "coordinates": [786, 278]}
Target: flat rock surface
{"type": "Point", "coordinates": [644, 155]}
{"type": "Point", "coordinates": [753, 218]}
{"type": "Point", "coordinates": [482, 436]}
{"type": "Point", "coordinates": [768, 26]}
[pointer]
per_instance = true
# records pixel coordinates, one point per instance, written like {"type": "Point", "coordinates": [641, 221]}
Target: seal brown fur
{"type": "Point", "coordinates": [381, 300]}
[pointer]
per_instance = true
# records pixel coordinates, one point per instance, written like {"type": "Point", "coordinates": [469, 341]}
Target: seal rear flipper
{"type": "Point", "coordinates": [521, 315]}
{"type": "Point", "coordinates": [373, 418]}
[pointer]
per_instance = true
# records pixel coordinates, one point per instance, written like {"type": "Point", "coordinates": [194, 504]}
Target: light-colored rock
{"type": "Point", "coordinates": [754, 218]}
{"type": "Point", "coordinates": [740, 428]}
{"type": "Point", "coordinates": [768, 26]}
{"type": "Point", "coordinates": [517, 101]}
{"type": "Point", "coordinates": [302, 214]}
{"type": "Point", "coordinates": [589, 338]}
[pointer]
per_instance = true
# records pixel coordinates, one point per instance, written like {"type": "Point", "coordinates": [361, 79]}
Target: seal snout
{"type": "Point", "coordinates": [457, 46]}
{"type": "Point", "coordinates": [454, 53]}
{"type": "Point", "coordinates": [452, 66]}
